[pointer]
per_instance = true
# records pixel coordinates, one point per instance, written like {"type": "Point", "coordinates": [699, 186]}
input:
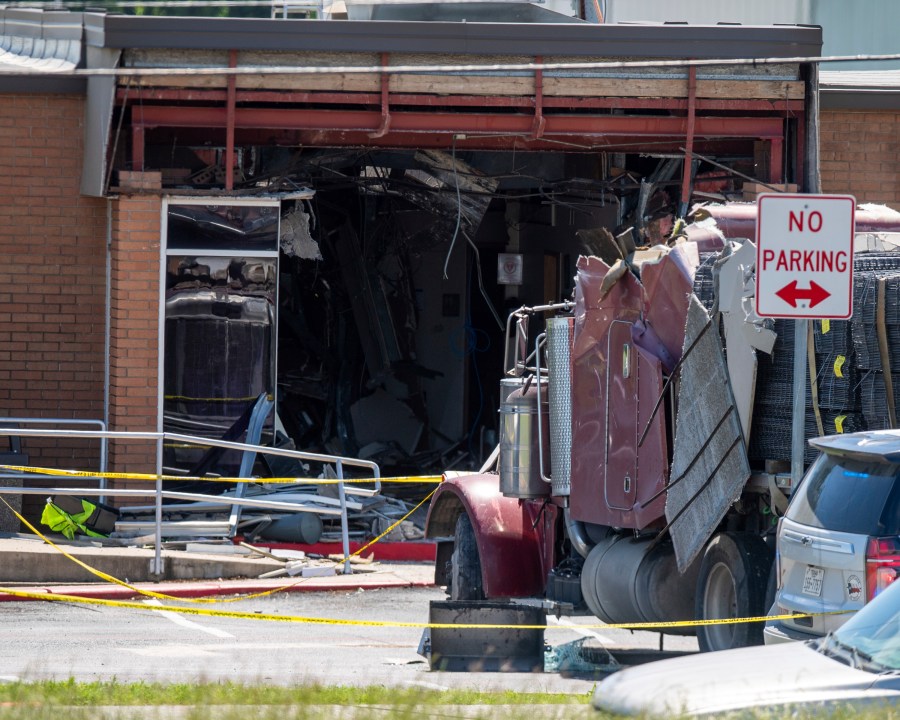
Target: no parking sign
{"type": "Point", "coordinates": [804, 256]}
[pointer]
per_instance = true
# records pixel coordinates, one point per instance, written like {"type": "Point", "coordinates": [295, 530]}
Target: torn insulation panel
{"type": "Point", "coordinates": [710, 466]}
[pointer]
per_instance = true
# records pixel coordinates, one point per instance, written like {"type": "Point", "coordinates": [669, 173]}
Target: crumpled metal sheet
{"type": "Point", "coordinates": [706, 478]}
{"type": "Point", "coordinates": [463, 190]}
{"type": "Point", "coordinates": [745, 331]}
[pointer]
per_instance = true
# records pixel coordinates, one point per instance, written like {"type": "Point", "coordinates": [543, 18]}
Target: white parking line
{"type": "Point", "coordinates": [179, 619]}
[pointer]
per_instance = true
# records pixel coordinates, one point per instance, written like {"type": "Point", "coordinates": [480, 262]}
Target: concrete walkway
{"type": "Point", "coordinates": [28, 564]}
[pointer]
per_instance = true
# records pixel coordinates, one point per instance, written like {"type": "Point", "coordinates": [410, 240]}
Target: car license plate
{"type": "Point", "coordinates": [812, 581]}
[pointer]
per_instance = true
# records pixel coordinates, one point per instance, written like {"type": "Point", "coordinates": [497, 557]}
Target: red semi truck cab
{"type": "Point", "coordinates": [621, 487]}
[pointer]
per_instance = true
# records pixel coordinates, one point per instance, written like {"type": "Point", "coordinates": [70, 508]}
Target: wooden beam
{"type": "Point", "coordinates": [496, 85]}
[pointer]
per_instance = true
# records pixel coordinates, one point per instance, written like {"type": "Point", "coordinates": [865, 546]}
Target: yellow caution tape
{"type": "Point", "coordinates": [839, 423]}
{"type": "Point", "coordinates": [152, 477]}
{"type": "Point", "coordinates": [58, 597]}
{"type": "Point", "coordinates": [839, 365]}
{"type": "Point", "coordinates": [826, 326]}
{"type": "Point", "coordinates": [391, 527]}
{"type": "Point", "coordinates": [55, 597]}
{"type": "Point", "coordinates": [162, 596]}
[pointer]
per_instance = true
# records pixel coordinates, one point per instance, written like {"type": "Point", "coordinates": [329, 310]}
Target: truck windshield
{"type": "Point", "coordinates": [874, 632]}
{"type": "Point", "coordinates": [846, 495]}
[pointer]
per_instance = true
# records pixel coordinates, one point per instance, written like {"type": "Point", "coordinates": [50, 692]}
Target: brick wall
{"type": "Point", "coordinates": [860, 155]}
{"type": "Point", "coordinates": [134, 328]}
{"type": "Point", "coordinates": [52, 241]}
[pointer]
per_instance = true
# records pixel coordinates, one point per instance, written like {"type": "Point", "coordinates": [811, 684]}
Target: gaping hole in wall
{"type": "Point", "coordinates": [395, 275]}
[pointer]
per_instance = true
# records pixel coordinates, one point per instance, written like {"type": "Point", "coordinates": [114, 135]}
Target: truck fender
{"type": "Point", "coordinates": [508, 543]}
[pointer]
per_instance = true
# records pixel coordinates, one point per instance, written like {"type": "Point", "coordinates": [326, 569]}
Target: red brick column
{"type": "Point", "coordinates": [134, 329]}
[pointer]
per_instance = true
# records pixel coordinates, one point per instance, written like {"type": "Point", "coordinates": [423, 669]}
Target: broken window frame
{"type": "Point", "coordinates": [233, 251]}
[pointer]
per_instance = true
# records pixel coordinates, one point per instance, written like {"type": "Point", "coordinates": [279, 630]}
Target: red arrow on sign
{"type": "Point", "coordinates": [790, 293]}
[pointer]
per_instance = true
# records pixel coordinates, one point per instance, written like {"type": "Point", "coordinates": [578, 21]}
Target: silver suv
{"type": "Point", "coordinates": [839, 541]}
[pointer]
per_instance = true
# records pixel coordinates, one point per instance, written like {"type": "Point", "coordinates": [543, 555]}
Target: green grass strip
{"type": "Point", "coordinates": [113, 693]}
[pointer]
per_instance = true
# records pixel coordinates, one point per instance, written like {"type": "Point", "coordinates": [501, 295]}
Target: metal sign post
{"type": "Point", "coordinates": [804, 270]}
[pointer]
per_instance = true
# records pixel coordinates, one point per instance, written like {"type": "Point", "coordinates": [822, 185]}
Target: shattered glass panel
{"type": "Point", "coordinates": [220, 311]}
{"type": "Point", "coordinates": [223, 227]}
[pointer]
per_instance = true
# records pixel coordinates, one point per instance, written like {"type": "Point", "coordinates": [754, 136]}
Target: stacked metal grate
{"type": "Point", "coordinates": [837, 376]}
{"type": "Point", "coordinates": [874, 399]}
{"type": "Point", "coordinates": [870, 271]}
{"type": "Point", "coordinates": [704, 288]}
{"type": "Point", "coordinates": [770, 437]}
{"type": "Point", "coordinates": [849, 380]}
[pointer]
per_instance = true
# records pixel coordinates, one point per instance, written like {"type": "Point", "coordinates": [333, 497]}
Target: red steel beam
{"type": "Point", "coordinates": [776, 160]}
{"type": "Point", "coordinates": [539, 124]}
{"type": "Point", "coordinates": [689, 146]}
{"type": "Point", "coordinates": [445, 141]}
{"type": "Point", "coordinates": [430, 122]}
{"type": "Point", "coordinates": [801, 153]}
{"type": "Point", "coordinates": [245, 97]}
{"type": "Point", "coordinates": [230, 123]}
{"type": "Point", "coordinates": [385, 99]}
{"type": "Point", "coordinates": [137, 147]}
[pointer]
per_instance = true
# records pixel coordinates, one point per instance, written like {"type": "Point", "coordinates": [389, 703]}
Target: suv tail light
{"type": "Point", "coordinates": [882, 564]}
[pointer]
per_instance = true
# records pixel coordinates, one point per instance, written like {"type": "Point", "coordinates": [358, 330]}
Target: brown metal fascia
{"type": "Point", "coordinates": [873, 99]}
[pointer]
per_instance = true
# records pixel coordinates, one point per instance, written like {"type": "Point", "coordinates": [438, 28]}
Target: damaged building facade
{"type": "Point", "coordinates": [332, 227]}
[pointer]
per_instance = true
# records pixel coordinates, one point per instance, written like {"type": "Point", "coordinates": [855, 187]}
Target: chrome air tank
{"type": "Point", "coordinates": [559, 371]}
{"type": "Point", "coordinates": [519, 463]}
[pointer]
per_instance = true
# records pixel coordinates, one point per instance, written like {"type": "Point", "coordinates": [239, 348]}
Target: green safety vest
{"type": "Point", "coordinates": [60, 521]}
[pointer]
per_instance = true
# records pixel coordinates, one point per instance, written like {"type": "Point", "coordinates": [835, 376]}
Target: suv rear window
{"type": "Point", "coordinates": [846, 495]}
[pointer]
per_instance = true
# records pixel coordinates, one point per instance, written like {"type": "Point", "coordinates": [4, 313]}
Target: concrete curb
{"type": "Point", "coordinates": [30, 565]}
{"type": "Point", "coordinates": [387, 578]}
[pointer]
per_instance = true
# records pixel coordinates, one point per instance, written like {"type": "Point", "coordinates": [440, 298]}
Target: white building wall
{"type": "Point", "coordinates": [849, 27]}
{"type": "Point", "coordinates": [709, 12]}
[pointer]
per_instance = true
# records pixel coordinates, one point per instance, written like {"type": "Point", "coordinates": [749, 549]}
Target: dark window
{"type": "Point", "coordinates": [223, 227]}
{"type": "Point", "coordinates": [853, 496]}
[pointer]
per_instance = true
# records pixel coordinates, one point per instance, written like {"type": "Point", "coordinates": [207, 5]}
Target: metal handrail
{"type": "Point", "coordinates": [160, 493]}
{"type": "Point", "coordinates": [59, 421]}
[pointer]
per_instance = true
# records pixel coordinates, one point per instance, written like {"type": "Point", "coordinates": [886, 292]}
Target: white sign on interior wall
{"type": "Point", "coordinates": [509, 269]}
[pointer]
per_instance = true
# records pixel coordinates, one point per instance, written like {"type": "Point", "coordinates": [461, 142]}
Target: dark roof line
{"type": "Point", "coordinates": [569, 40]}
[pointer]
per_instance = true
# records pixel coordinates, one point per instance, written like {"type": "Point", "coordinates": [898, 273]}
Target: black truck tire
{"type": "Point", "coordinates": [732, 583]}
{"type": "Point", "coordinates": [465, 564]}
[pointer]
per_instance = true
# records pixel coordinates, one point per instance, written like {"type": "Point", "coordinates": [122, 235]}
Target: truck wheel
{"type": "Point", "coordinates": [465, 563]}
{"type": "Point", "coordinates": [732, 584]}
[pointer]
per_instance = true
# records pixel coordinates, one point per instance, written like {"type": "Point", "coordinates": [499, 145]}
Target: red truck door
{"type": "Point", "coordinates": [620, 465]}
